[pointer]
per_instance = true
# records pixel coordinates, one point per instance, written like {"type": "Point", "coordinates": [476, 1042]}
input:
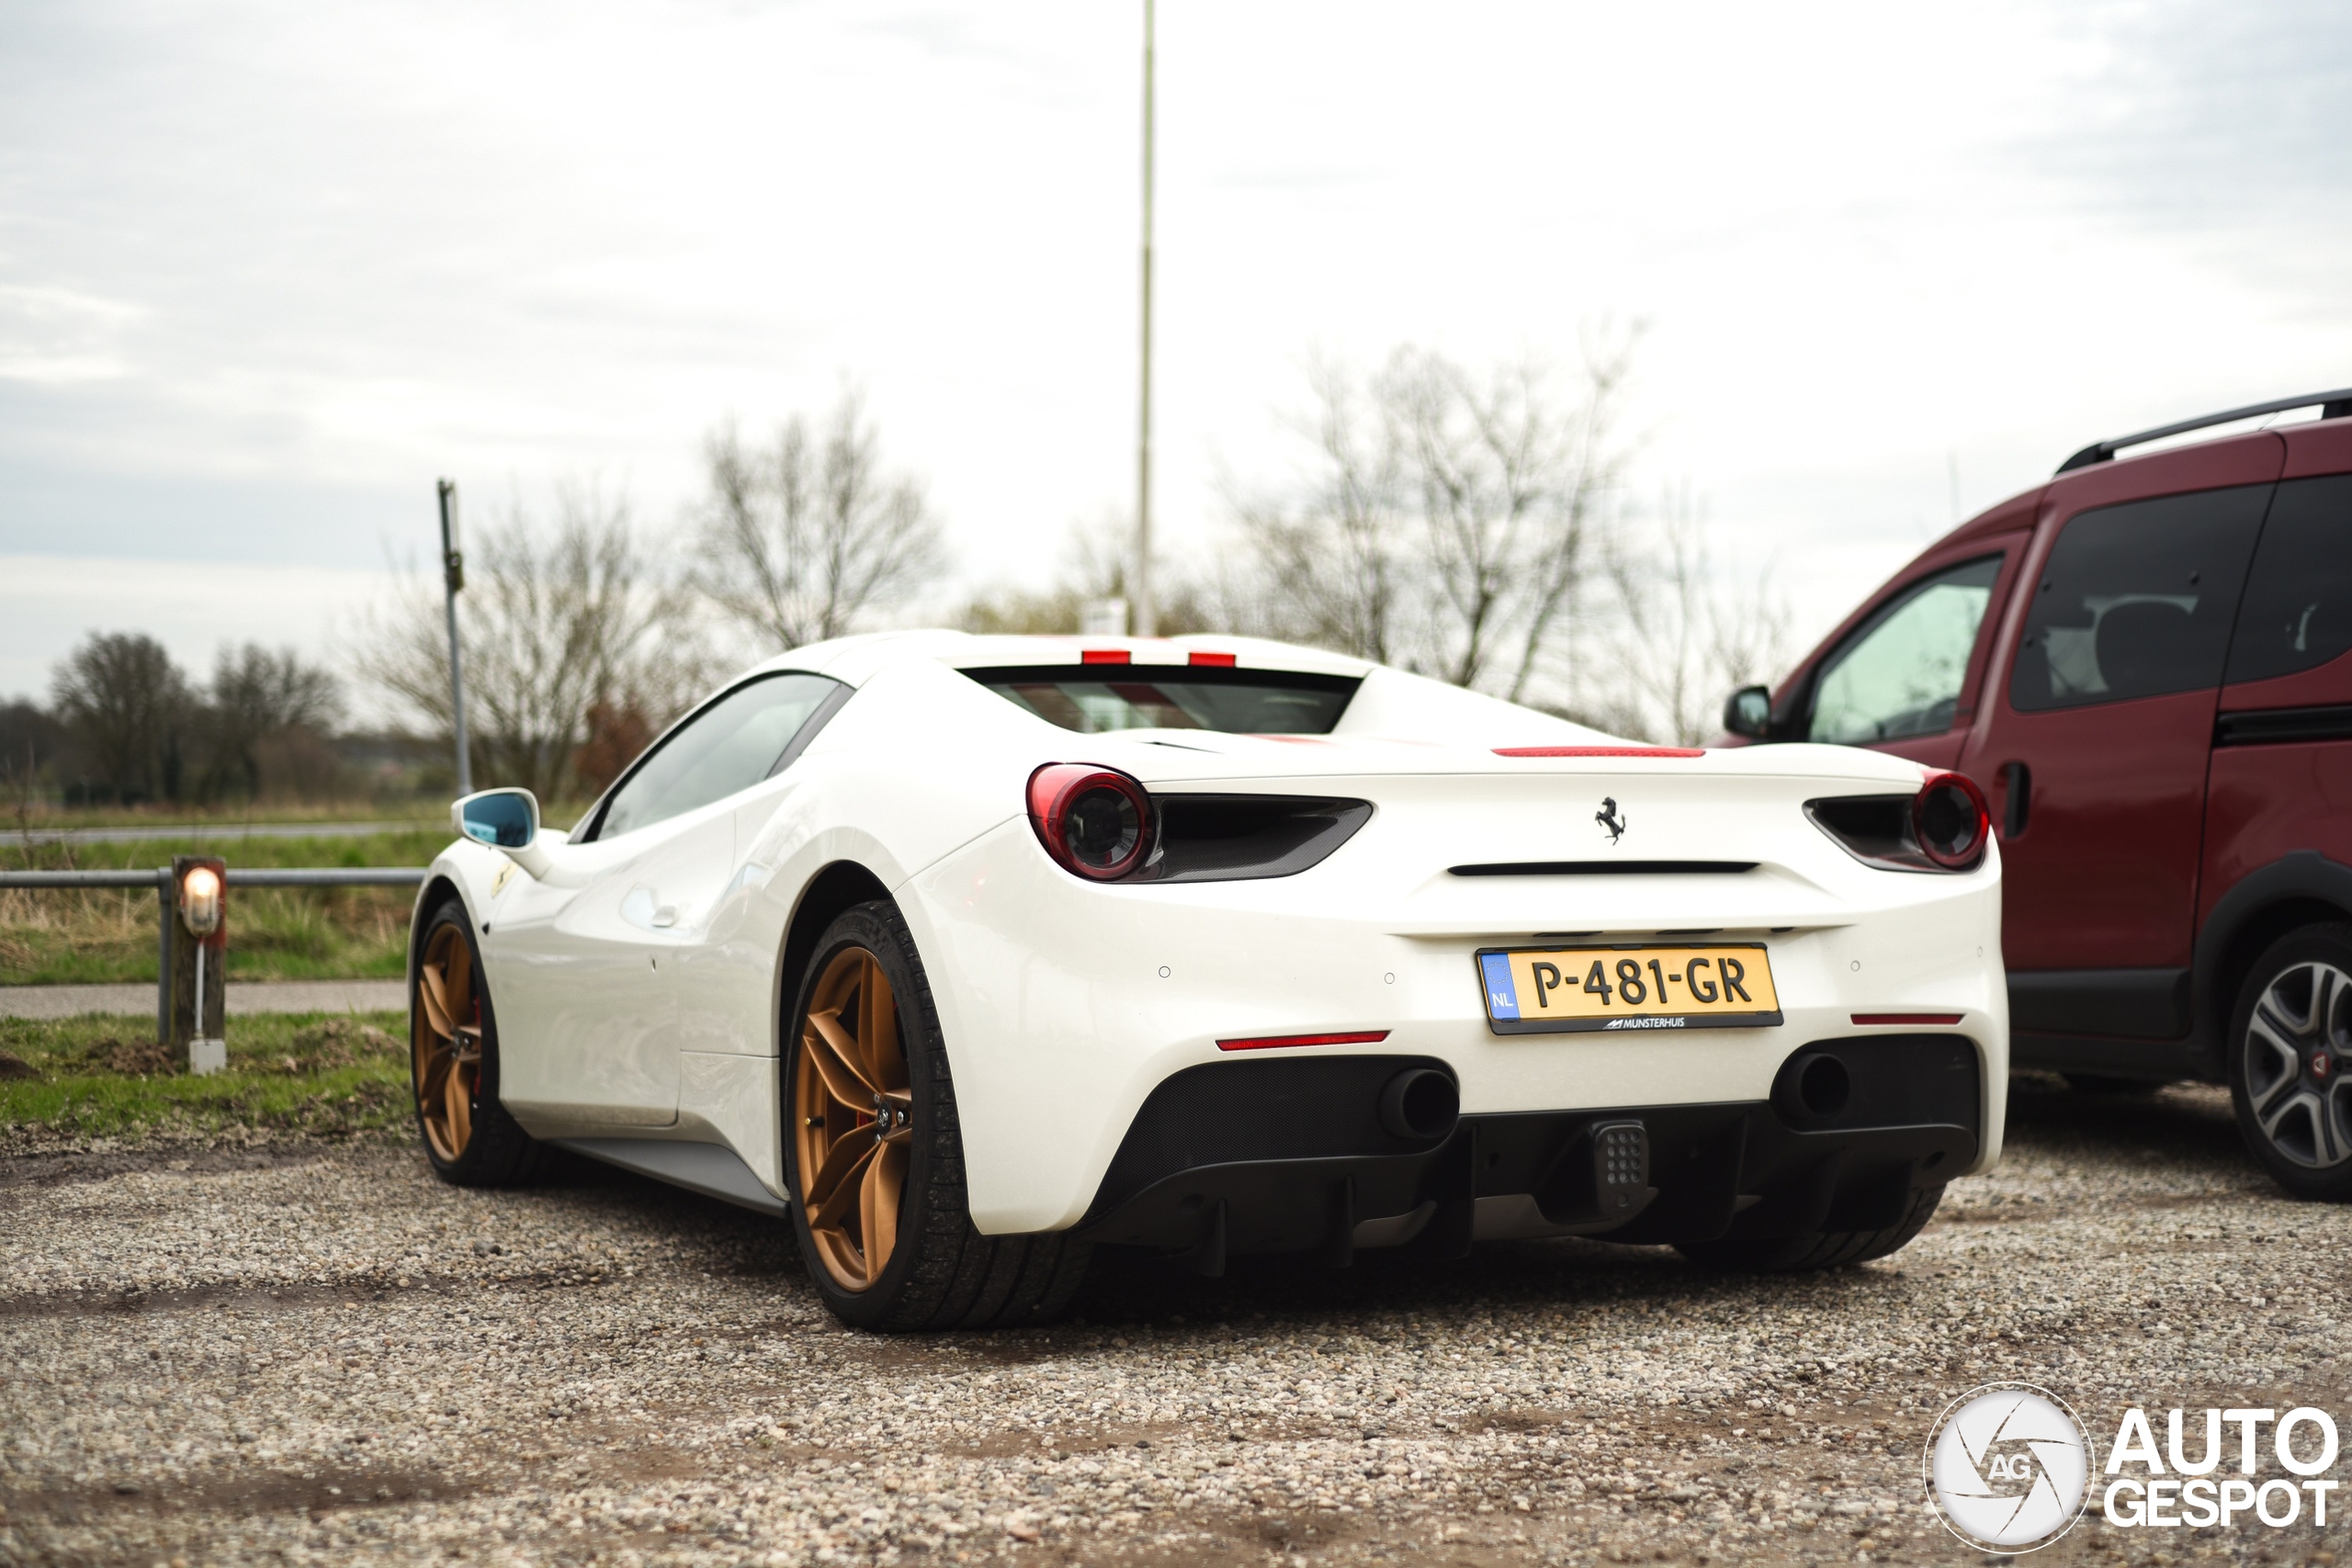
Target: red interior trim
{"type": "Point", "coordinates": [1215, 660]}
{"type": "Point", "coordinates": [1275, 1041]}
{"type": "Point", "coordinates": [1598, 751]}
{"type": "Point", "coordinates": [1106, 656]}
{"type": "Point", "coordinates": [1907, 1018]}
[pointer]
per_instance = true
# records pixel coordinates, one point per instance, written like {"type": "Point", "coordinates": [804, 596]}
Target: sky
{"type": "Point", "coordinates": [268, 270]}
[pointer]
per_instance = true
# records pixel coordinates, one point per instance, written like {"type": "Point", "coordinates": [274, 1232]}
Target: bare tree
{"type": "Point", "coordinates": [1508, 488]}
{"type": "Point", "coordinates": [1094, 566]}
{"type": "Point", "coordinates": [259, 697]}
{"type": "Point", "coordinates": [31, 739]}
{"type": "Point", "coordinates": [1449, 522]}
{"type": "Point", "coordinates": [1330, 556]}
{"type": "Point", "coordinates": [127, 706]}
{"type": "Point", "coordinates": [1685, 628]}
{"type": "Point", "coordinates": [555, 623]}
{"type": "Point", "coordinates": [802, 540]}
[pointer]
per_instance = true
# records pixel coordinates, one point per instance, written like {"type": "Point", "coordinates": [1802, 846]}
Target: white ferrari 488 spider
{"type": "Point", "coordinates": [973, 954]}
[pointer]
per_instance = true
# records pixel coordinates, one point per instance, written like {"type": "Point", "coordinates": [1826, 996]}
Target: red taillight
{"type": "Point", "coordinates": [1106, 656]}
{"type": "Point", "coordinates": [1212, 660]}
{"type": "Point", "coordinates": [1096, 822]}
{"type": "Point", "coordinates": [1950, 820]}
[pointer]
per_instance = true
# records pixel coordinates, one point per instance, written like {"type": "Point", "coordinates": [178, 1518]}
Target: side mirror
{"type": "Point", "coordinates": [508, 821]}
{"type": "Point", "coordinates": [1749, 712]}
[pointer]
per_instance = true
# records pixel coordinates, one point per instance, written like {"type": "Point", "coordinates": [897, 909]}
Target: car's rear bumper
{"type": "Point", "coordinates": [1292, 1156]}
{"type": "Point", "coordinates": [1066, 1004]}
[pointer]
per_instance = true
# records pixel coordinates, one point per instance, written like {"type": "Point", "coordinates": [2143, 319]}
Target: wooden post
{"type": "Point", "coordinates": [200, 994]}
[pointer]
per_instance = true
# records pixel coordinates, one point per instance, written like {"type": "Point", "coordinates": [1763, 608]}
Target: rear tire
{"type": "Point", "coordinates": [1822, 1249]}
{"type": "Point", "coordinates": [470, 1140]}
{"type": "Point", "coordinates": [900, 1253]}
{"type": "Point", "coordinates": [2291, 1062]}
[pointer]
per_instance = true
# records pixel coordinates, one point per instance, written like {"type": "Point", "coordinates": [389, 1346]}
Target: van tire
{"type": "Point", "coordinates": [2288, 1066]}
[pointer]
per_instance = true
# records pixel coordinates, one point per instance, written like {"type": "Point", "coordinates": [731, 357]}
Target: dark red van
{"type": "Point", "coordinates": [2147, 664]}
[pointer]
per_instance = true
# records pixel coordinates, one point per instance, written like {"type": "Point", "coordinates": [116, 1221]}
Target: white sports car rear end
{"type": "Point", "coordinates": [973, 953]}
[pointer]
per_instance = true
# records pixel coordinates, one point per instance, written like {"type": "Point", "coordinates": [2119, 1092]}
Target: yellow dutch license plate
{"type": "Point", "coordinates": [1549, 990]}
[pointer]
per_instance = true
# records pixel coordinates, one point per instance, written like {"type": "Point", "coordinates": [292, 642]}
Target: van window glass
{"type": "Point", "coordinates": [2136, 600]}
{"type": "Point", "coordinates": [2297, 614]}
{"type": "Point", "coordinates": [731, 745]}
{"type": "Point", "coordinates": [1900, 674]}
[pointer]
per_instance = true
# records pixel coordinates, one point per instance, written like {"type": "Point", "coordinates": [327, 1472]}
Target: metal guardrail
{"type": "Point", "coordinates": [259, 876]}
{"type": "Point", "coordinates": [167, 900]}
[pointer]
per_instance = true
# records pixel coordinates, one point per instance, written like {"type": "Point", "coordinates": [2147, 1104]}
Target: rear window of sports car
{"type": "Point", "coordinates": [1092, 699]}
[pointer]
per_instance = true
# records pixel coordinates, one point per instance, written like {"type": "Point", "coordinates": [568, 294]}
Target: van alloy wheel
{"type": "Point", "coordinates": [2296, 1042]}
{"type": "Point", "coordinates": [448, 1042]}
{"type": "Point", "coordinates": [854, 1117]}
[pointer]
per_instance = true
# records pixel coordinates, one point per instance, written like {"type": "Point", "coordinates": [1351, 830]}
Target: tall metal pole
{"type": "Point", "coordinates": [1146, 617]}
{"type": "Point", "coordinates": [453, 580]}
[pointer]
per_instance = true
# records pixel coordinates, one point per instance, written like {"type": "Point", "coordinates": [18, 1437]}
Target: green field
{"type": "Point", "coordinates": [98, 1076]}
{"type": "Point", "coordinates": [52, 937]}
{"type": "Point", "coordinates": [171, 818]}
{"type": "Point", "coordinates": [56, 937]}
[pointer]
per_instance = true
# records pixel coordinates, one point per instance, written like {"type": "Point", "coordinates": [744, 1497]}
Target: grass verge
{"type": "Point", "coordinates": [102, 1076]}
{"type": "Point", "coordinates": [56, 937]}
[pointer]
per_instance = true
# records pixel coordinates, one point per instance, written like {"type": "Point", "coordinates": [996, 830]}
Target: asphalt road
{"type": "Point", "coordinates": [316, 1354]}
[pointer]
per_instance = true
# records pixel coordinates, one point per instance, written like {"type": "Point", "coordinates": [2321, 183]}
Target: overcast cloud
{"type": "Point", "coordinates": [266, 271]}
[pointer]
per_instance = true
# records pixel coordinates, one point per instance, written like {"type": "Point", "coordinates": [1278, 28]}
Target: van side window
{"type": "Point", "coordinates": [2297, 614]}
{"type": "Point", "coordinates": [733, 743]}
{"type": "Point", "coordinates": [2136, 600]}
{"type": "Point", "coordinates": [1899, 675]}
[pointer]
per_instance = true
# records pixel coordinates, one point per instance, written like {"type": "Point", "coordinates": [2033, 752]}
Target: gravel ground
{"type": "Point", "coordinates": [315, 1353]}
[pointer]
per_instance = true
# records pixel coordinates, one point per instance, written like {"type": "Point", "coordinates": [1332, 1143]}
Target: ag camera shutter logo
{"type": "Point", "coordinates": [2008, 1467]}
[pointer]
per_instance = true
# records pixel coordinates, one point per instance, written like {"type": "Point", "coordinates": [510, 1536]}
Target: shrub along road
{"type": "Point", "coordinates": [243, 1346]}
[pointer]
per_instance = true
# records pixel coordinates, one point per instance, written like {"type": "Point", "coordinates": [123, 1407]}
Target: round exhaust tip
{"type": "Point", "coordinates": [1421, 1103]}
{"type": "Point", "coordinates": [1823, 1085]}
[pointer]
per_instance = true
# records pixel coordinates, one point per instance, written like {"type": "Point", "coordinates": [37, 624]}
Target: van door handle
{"type": "Point", "coordinates": [2016, 779]}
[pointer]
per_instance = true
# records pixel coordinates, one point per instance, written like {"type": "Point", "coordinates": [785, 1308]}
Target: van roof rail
{"type": "Point", "coordinates": [2334, 405]}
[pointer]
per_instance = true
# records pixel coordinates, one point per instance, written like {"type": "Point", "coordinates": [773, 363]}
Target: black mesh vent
{"type": "Point", "coordinates": [1287, 1108]}
{"type": "Point", "coordinates": [1891, 1081]}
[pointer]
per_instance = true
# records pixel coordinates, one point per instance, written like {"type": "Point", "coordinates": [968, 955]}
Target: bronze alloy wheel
{"type": "Point", "coordinates": [853, 1117]}
{"type": "Point", "coordinates": [448, 1044]}
{"type": "Point", "coordinates": [875, 1152]}
{"type": "Point", "coordinates": [2298, 1042]}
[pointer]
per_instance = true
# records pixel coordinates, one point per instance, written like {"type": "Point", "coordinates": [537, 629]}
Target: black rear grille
{"type": "Point", "coordinates": [1873, 829]}
{"type": "Point", "coordinates": [1240, 838]}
